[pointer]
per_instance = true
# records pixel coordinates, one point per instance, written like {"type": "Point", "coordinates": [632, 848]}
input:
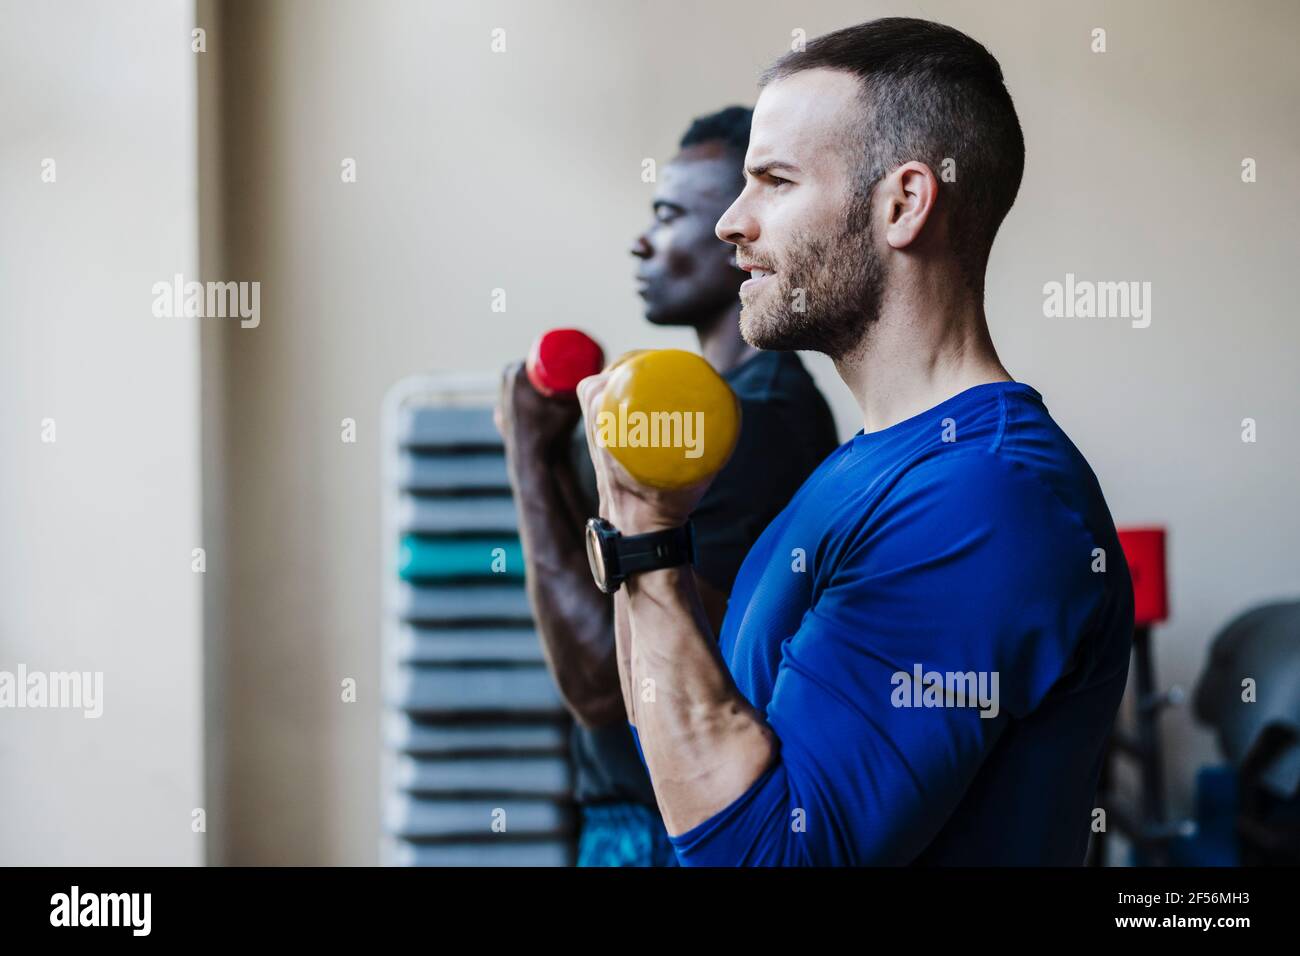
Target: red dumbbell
{"type": "Point", "coordinates": [560, 359]}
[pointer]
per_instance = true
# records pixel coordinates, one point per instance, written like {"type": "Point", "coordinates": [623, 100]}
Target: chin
{"type": "Point", "coordinates": [773, 330]}
{"type": "Point", "coordinates": [756, 328]}
{"type": "Point", "coordinates": [669, 318]}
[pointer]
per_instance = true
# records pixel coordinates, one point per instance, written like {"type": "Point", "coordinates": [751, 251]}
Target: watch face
{"type": "Point", "coordinates": [596, 555]}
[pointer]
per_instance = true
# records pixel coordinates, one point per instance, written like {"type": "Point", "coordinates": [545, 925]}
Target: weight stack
{"type": "Point", "coordinates": [476, 766]}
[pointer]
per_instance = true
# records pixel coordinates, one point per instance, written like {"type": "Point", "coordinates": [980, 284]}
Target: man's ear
{"type": "Point", "coordinates": [910, 194]}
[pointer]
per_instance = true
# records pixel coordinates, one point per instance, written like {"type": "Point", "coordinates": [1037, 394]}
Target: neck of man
{"type": "Point", "coordinates": [931, 342]}
{"type": "Point", "coordinates": [720, 340]}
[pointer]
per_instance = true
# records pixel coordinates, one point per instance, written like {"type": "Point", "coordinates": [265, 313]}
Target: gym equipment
{"type": "Point", "coordinates": [475, 733]}
{"type": "Point", "coordinates": [423, 558]}
{"type": "Point", "coordinates": [1249, 693]}
{"type": "Point", "coordinates": [667, 417]}
{"type": "Point", "coordinates": [1147, 828]}
{"type": "Point", "coordinates": [623, 358]}
{"type": "Point", "coordinates": [1260, 645]}
{"type": "Point", "coordinates": [560, 359]}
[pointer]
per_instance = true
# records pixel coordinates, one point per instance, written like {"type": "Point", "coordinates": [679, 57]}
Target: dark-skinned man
{"type": "Point", "coordinates": [686, 277]}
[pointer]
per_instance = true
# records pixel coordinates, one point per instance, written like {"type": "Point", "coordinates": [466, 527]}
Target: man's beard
{"type": "Point", "coordinates": [842, 281]}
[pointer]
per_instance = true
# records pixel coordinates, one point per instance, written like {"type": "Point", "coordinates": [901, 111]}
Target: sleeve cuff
{"type": "Point", "coordinates": [698, 836]}
{"type": "Point", "coordinates": [709, 843]}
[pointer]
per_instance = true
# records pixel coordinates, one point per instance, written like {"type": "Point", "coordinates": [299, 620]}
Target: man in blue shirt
{"type": "Point", "coordinates": [923, 653]}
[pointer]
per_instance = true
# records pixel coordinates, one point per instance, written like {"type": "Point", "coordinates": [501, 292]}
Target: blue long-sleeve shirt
{"type": "Point", "coordinates": [963, 557]}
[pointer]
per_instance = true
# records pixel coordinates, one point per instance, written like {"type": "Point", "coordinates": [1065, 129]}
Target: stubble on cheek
{"type": "Point", "coordinates": [827, 293]}
{"type": "Point", "coordinates": [774, 315]}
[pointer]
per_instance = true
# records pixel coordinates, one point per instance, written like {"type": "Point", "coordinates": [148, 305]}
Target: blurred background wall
{"type": "Point", "coordinates": [520, 171]}
{"type": "Point", "coordinates": [99, 525]}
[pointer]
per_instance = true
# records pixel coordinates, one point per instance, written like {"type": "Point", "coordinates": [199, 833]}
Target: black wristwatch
{"type": "Point", "coordinates": [615, 556]}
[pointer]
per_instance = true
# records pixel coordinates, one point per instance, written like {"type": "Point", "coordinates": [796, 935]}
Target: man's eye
{"type": "Point", "coordinates": [664, 215]}
{"type": "Point", "coordinates": [778, 182]}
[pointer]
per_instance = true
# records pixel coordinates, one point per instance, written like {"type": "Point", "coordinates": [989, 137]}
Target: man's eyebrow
{"type": "Point", "coordinates": [762, 169]}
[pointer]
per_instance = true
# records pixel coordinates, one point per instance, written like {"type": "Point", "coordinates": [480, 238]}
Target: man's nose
{"type": "Point", "coordinates": [641, 247]}
{"type": "Point", "coordinates": [736, 225]}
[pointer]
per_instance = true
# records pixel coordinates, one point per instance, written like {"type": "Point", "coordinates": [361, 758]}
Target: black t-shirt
{"type": "Point", "coordinates": [786, 430]}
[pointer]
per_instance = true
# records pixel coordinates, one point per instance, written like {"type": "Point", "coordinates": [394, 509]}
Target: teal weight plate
{"type": "Point", "coordinates": [441, 559]}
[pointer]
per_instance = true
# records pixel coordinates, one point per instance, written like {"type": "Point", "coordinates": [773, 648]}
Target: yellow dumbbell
{"type": "Point", "coordinates": [667, 417]}
{"type": "Point", "coordinates": [624, 357]}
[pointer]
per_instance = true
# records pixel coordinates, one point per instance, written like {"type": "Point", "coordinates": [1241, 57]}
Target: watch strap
{"type": "Point", "coordinates": [656, 549]}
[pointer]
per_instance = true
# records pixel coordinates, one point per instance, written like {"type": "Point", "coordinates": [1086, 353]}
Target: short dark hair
{"type": "Point", "coordinates": [729, 126]}
{"type": "Point", "coordinates": [929, 93]}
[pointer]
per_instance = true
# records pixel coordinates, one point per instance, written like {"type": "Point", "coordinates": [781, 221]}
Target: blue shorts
{"type": "Point", "coordinates": [623, 834]}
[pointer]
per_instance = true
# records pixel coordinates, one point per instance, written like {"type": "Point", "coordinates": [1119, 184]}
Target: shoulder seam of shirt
{"type": "Point", "coordinates": [1014, 466]}
{"type": "Point", "coordinates": [1102, 589]}
{"type": "Point", "coordinates": [1004, 436]}
{"type": "Point", "coordinates": [1002, 421]}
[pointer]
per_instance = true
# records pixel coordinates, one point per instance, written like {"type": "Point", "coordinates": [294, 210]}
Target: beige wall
{"type": "Point", "coordinates": [521, 171]}
{"type": "Point", "coordinates": [95, 572]}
